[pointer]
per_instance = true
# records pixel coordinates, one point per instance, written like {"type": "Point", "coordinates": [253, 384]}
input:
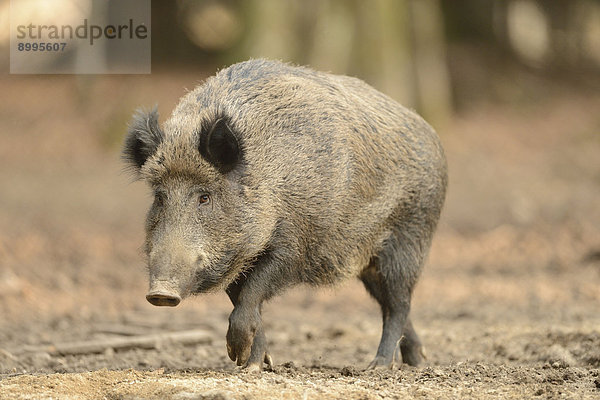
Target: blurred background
{"type": "Point", "coordinates": [511, 86]}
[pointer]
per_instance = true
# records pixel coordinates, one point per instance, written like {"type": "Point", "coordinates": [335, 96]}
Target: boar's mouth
{"type": "Point", "coordinates": [207, 280]}
{"type": "Point", "coordinates": [213, 277]}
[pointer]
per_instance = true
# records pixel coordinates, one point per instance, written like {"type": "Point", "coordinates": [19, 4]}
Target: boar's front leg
{"type": "Point", "coordinates": [246, 340]}
{"type": "Point", "coordinates": [271, 272]}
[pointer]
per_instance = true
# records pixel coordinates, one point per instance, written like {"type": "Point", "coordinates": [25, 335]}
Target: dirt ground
{"type": "Point", "coordinates": [507, 307]}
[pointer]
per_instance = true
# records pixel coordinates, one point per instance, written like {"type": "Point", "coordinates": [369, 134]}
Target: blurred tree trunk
{"type": "Point", "coordinates": [566, 33]}
{"type": "Point", "coordinates": [172, 46]}
{"type": "Point", "coordinates": [271, 29]}
{"type": "Point", "coordinates": [400, 49]}
{"type": "Point", "coordinates": [382, 51]}
{"type": "Point", "coordinates": [333, 38]}
{"type": "Point", "coordinates": [398, 46]}
{"type": "Point", "coordinates": [433, 96]}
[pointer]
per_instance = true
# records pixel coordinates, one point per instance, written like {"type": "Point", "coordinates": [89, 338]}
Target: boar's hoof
{"type": "Point", "coordinates": [163, 299]}
{"type": "Point", "coordinates": [253, 368]}
{"type": "Point", "coordinates": [381, 363]}
{"type": "Point", "coordinates": [256, 366]}
{"type": "Point", "coordinates": [246, 341]}
{"type": "Point", "coordinates": [268, 360]}
{"type": "Point", "coordinates": [239, 346]}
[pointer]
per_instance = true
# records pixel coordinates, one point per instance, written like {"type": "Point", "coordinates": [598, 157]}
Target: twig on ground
{"type": "Point", "coordinates": [144, 341]}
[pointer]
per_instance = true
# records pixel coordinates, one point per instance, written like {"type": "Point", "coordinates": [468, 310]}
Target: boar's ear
{"type": "Point", "coordinates": [143, 137]}
{"type": "Point", "coordinates": [219, 146]}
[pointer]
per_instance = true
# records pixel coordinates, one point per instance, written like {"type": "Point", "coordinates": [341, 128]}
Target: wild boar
{"type": "Point", "coordinates": [269, 175]}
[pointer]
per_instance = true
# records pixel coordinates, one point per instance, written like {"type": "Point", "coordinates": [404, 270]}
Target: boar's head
{"type": "Point", "coordinates": [200, 231]}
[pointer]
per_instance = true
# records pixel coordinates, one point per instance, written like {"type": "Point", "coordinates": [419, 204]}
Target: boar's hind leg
{"type": "Point", "coordinates": [389, 278]}
{"type": "Point", "coordinates": [258, 351]}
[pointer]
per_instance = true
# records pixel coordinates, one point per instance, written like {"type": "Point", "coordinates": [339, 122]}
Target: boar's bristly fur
{"type": "Point", "coordinates": [270, 175]}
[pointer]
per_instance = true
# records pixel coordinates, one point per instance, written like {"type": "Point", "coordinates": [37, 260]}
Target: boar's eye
{"type": "Point", "coordinates": [203, 199]}
{"type": "Point", "coordinates": [159, 199]}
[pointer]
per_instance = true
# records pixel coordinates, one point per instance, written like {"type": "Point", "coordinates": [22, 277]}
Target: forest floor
{"type": "Point", "coordinates": [507, 306]}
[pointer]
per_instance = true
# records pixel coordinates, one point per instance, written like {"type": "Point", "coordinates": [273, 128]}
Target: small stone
{"type": "Point", "coordinates": [349, 371]}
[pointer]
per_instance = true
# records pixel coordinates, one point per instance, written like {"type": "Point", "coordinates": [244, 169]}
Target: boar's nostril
{"type": "Point", "coordinates": [163, 299]}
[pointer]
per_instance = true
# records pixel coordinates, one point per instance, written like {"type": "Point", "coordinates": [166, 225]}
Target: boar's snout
{"type": "Point", "coordinates": [160, 294]}
{"type": "Point", "coordinates": [172, 268]}
{"type": "Point", "coordinates": [163, 299]}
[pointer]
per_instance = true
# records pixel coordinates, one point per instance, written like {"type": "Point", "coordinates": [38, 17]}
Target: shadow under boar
{"type": "Point", "coordinates": [270, 175]}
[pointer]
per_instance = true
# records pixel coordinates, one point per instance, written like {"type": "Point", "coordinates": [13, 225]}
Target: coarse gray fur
{"type": "Point", "coordinates": [303, 177]}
